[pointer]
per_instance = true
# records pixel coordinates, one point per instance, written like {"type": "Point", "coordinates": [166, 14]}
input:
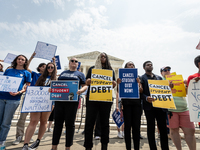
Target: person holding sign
{"type": "Point", "coordinates": [9, 101]}
{"type": "Point", "coordinates": [180, 118]}
{"type": "Point", "coordinates": [65, 111]}
{"type": "Point", "coordinates": [44, 80]}
{"type": "Point", "coordinates": [132, 111]}
{"type": "Point", "coordinates": [151, 112]}
{"type": "Point", "coordinates": [95, 107]}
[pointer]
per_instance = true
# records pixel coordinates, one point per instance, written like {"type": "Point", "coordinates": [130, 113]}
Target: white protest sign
{"type": "Point", "coordinates": [37, 99]}
{"type": "Point", "coordinates": [9, 84]}
{"type": "Point", "coordinates": [194, 100]}
{"type": "Point", "coordinates": [9, 58]}
{"type": "Point", "coordinates": [1, 73]}
{"type": "Point", "coordinates": [45, 50]}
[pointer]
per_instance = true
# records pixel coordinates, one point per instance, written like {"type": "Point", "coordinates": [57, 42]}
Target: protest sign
{"type": "Point", "coordinates": [79, 65]}
{"type": "Point", "coordinates": [1, 73]}
{"type": "Point", "coordinates": [101, 85]}
{"type": "Point", "coordinates": [64, 90]}
{"type": "Point", "coordinates": [9, 58]}
{"type": "Point", "coordinates": [117, 118]}
{"type": "Point", "coordinates": [198, 46]}
{"type": "Point", "coordinates": [194, 100]}
{"type": "Point", "coordinates": [161, 92]}
{"type": "Point", "coordinates": [9, 84]}
{"type": "Point", "coordinates": [45, 50]}
{"type": "Point", "coordinates": [128, 88]}
{"type": "Point", "coordinates": [173, 73]}
{"type": "Point", "coordinates": [57, 60]}
{"type": "Point", "coordinates": [179, 87]}
{"type": "Point", "coordinates": [37, 100]}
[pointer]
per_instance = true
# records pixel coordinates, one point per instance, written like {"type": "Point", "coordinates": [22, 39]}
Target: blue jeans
{"type": "Point", "coordinates": [7, 110]}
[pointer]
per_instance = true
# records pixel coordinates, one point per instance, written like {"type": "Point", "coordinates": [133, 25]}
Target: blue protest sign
{"type": "Point", "coordinates": [64, 90]}
{"type": "Point", "coordinates": [128, 88]}
{"type": "Point", "coordinates": [45, 50]}
{"type": "Point", "coordinates": [37, 100]}
{"type": "Point", "coordinates": [57, 60]}
{"type": "Point", "coordinates": [117, 118]}
{"type": "Point", "coordinates": [79, 65]}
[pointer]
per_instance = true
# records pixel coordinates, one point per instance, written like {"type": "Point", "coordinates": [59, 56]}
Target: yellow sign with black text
{"type": "Point", "coordinates": [161, 92]}
{"type": "Point", "coordinates": [101, 85]}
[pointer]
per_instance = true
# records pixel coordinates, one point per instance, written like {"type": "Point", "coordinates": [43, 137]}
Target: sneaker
{"type": "Point", "coordinates": [35, 145]}
{"type": "Point", "coordinates": [18, 140]}
{"type": "Point", "coordinates": [49, 130]}
{"type": "Point", "coordinates": [119, 135]}
{"type": "Point", "coordinates": [123, 133]}
{"type": "Point", "coordinates": [31, 141]}
{"type": "Point", "coordinates": [25, 147]}
{"type": "Point", "coordinates": [97, 137]}
{"type": "Point", "coordinates": [36, 132]}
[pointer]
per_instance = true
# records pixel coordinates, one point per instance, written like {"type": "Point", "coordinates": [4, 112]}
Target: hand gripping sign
{"type": "Point", "coordinates": [194, 100]}
{"type": "Point", "coordinates": [101, 85]}
{"type": "Point", "coordinates": [161, 92]}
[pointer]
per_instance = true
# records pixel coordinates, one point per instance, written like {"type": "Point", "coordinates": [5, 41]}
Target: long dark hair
{"type": "Point", "coordinates": [41, 80]}
{"type": "Point", "coordinates": [1, 70]}
{"type": "Point", "coordinates": [14, 63]}
{"type": "Point", "coordinates": [40, 65]}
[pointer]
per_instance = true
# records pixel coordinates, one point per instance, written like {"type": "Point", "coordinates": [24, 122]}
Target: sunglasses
{"type": "Point", "coordinates": [76, 61]}
{"type": "Point", "coordinates": [50, 67]}
{"type": "Point", "coordinates": [165, 70]}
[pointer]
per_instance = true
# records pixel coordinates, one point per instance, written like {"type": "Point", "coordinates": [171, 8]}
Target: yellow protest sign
{"type": "Point", "coordinates": [161, 92]}
{"type": "Point", "coordinates": [179, 87]}
{"type": "Point", "coordinates": [173, 73]}
{"type": "Point", "coordinates": [101, 85]}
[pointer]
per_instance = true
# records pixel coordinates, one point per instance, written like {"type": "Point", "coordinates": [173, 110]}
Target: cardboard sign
{"type": "Point", "coordinates": [57, 60]}
{"type": "Point", "coordinates": [179, 87]}
{"type": "Point", "coordinates": [9, 84]}
{"type": "Point", "coordinates": [64, 90]}
{"type": "Point", "coordinates": [194, 100]}
{"type": "Point", "coordinates": [45, 50]}
{"type": "Point", "coordinates": [117, 118]}
{"type": "Point", "coordinates": [101, 85]}
{"type": "Point", "coordinates": [9, 58]}
{"type": "Point", "coordinates": [128, 88]}
{"type": "Point", "coordinates": [37, 100]}
{"type": "Point", "coordinates": [161, 92]}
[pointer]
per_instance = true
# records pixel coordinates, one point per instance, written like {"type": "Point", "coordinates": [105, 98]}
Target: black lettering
{"type": "Point", "coordinates": [94, 89]}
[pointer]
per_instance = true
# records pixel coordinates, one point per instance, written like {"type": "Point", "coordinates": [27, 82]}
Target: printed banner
{"type": "Point", "coordinates": [194, 100]}
{"type": "Point", "coordinates": [9, 58]}
{"type": "Point", "coordinates": [128, 88]}
{"type": "Point", "coordinates": [37, 100]}
{"type": "Point", "coordinates": [64, 90]}
{"type": "Point", "coordinates": [1, 73]}
{"type": "Point", "coordinates": [9, 84]}
{"type": "Point", "coordinates": [57, 60]}
{"type": "Point", "coordinates": [179, 87]}
{"type": "Point", "coordinates": [101, 85]}
{"type": "Point", "coordinates": [161, 92]}
{"type": "Point", "coordinates": [45, 50]}
{"type": "Point", "coordinates": [117, 118]}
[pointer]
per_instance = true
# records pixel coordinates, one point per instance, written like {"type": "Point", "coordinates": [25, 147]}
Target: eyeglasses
{"type": "Point", "coordinates": [165, 70]}
{"type": "Point", "coordinates": [76, 61]}
{"type": "Point", "coordinates": [50, 67]}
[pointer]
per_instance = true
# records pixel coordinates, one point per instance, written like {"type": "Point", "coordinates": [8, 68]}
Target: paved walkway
{"type": "Point", "coordinates": [115, 143]}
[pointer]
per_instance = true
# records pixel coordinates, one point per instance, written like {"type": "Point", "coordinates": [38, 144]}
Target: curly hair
{"type": "Point", "coordinates": [41, 80]}
{"type": "Point", "coordinates": [14, 63]}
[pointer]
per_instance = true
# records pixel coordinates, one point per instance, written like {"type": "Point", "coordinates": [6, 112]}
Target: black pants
{"type": "Point", "coordinates": [97, 130]}
{"type": "Point", "coordinates": [132, 117]}
{"type": "Point", "coordinates": [51, 117]}
{"type": "Point", "coordinates": [92, 109]}
{"type": "Point", "coordinates": [64, 111]}
{"type": "Point", "coordinates": [160, 116]}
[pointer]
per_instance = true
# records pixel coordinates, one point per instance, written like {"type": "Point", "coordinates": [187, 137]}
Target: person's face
{"type": "Point", "coordinates": [130, 65]}
{"type": "Point", "coordinates": [148, 67]}
{"type": "Point", "coordinates": [21, 61]}
{"type": "Point", "coordinates": [165, 72]}
{"type": "Point", "coordinates": [73, 63]}
{"type": "Point", "coordinates": [50, 68]}
{"type": "Point", "coordinates": [42, 68]}
{"type": "Point", "coordinates": [103, 58]}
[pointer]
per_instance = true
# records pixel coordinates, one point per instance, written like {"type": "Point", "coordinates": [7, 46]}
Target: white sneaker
{"type": "Point", "coordinates": [36, 132]}
{"type": "Point", "coordinates": [18, 140]}
{"type": "Point", "coordinates": [119, 135]}
{"type": "Point", "coordinates": [49, 130]}
{"type": "Point", "coordinates": [31, 141]}
{"type": "Point", "coordinates": [97, 137]}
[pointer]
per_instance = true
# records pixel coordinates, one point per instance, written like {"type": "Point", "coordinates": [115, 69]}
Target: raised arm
{"type": "Point", "coordinates": [29, 61]}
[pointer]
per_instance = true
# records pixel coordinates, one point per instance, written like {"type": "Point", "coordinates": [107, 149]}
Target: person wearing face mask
{"type": "Point", "coordinates": [180, 118]}
{"type": "Point", "coordinates": [132, 111]}
{"type": "Point", "coordinates": [102, 108]}
{"type": "Point", "coordinates": [9, 101]}
{"type": "Point", "coordinates": [151, 112]}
